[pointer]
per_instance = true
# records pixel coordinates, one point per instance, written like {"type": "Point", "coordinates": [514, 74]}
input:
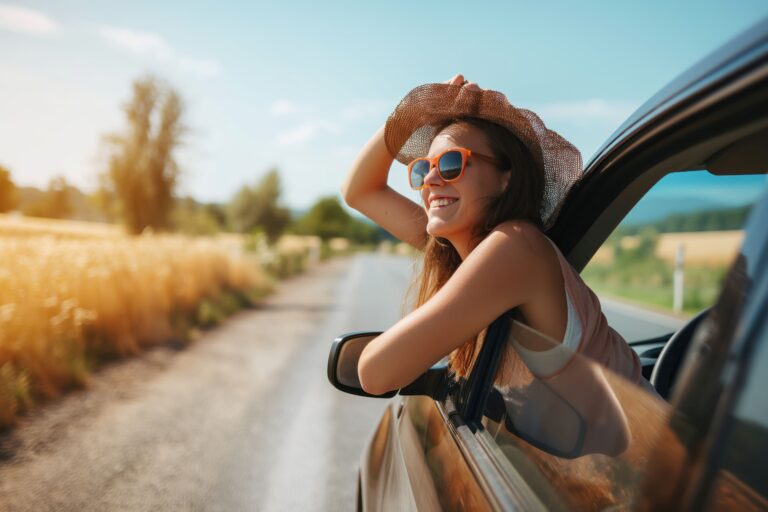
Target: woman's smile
{"type": "Point", "coordinates": [442, 202]}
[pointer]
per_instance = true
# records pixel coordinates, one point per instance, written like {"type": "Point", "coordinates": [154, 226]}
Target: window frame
{"type": "Point", "coordinates": [718, 101]}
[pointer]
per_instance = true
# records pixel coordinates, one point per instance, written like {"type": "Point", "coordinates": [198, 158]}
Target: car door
{"type": "Point", "coordinates": [470, 449]}
{"type": "Point", "coordinates": [424, 456]}
{"type": "Point", "coordinates": [714, 118]}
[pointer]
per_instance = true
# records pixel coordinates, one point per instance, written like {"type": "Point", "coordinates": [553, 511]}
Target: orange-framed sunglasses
{"type": "Point", "coordinates": [450, 166]}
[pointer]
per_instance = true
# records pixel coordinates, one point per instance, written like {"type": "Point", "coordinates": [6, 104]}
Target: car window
{"type": "Point", "coordinates": [666, 260]}
{"type": "Point", "coordinates": [740, 481]}
{"type": "Point", "coordinates": [580, 435]}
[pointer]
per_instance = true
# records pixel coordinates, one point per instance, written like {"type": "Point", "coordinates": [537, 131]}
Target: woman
{"type": "Point", "coordinates": [491, 179]}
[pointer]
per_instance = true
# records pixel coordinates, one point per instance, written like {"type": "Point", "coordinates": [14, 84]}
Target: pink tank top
{"type": "Point", "coordinates": [598, 340]}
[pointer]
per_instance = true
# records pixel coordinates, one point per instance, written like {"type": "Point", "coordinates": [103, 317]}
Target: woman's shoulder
{"type": "Point", "coordinates": [518, 252]}
{"type": "Point", "coordinates": [524, 237]}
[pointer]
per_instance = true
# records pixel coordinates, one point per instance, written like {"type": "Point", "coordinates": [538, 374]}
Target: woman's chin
{"type": "Point", "coordinates": [438, 228]}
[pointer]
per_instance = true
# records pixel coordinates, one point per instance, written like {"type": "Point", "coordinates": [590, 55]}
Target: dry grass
{"type": "Point", "coordinates": [703, 248]}
{"type": "Point", "coordinates": [16, 225]}
{"type": "Point", "coordinates": [707, 248]}
{"type": "Point", "coordinates": [72, 294]}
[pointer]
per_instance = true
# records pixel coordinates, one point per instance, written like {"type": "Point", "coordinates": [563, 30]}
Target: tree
{"type": "Point", "coordinates": [258, 207]}
{"type": "Point", "coordinates": [9, 198]}
{"type": "Point", "coordinates": [328, 219]}
{"type": "Point", "coordinates": [58, 198]}
{"type": "Point", "coordinates": [194, 218]}
{"type": "Point", "coordinates": [55, 202]}
{"type": "Point", "coordinates": [142, 172]}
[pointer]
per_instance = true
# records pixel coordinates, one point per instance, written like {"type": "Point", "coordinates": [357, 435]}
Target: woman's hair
{"type": "Point", "coordinates": [522, 199]}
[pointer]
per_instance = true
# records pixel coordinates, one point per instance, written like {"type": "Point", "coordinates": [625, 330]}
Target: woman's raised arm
{"type": "Point", "coordinates": [365, 189]}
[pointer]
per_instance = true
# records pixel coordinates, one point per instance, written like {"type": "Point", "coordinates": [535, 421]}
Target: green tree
{"type": "Point", "coordinates": [58, 198]}
{"type": "Point", "coordinates": [55, 202]}
{"type": "Point", "coordinates": [194, 218]}
{"type": "Point", "coordinates": [142, 172]}
{"type": "Point", "coordinates": [259, 207]}
{"type": "Point", "coordinates": [328, 219]}
{"type": "Point", "coordinates": [9, 198]}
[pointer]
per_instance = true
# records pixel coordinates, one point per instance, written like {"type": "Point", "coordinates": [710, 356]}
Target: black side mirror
{"type": "Point", "coordinates": [342, 370]}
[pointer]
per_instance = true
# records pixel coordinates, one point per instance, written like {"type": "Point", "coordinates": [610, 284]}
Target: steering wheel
{"type": "Point", "coordinates": [671, 357]}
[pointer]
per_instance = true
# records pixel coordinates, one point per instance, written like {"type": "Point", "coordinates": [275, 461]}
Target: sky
{"type": "Point", "coordinates": [301, 86]}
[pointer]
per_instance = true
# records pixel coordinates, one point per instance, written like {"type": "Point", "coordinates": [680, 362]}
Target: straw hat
{"type": "Point", "coordinates": [413, 124]}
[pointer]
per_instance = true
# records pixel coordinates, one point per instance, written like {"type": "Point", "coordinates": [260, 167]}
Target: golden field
{"type": "Point", "coordinates": [700, 248]}
{"type": "Point", "coordinates": [73, 294]}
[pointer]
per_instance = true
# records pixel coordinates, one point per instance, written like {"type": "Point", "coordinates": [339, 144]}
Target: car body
{"type": "Point", "coordinates": [440, 445]}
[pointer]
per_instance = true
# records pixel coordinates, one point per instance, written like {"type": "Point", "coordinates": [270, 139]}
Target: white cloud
{"type": "Point", "coordinates": [26, 21]}
{"type": "Point", "coordinates": [154, 46]}
{"type": "Point", "coordinates": [140, 43]}
{"type": "Point", "coordinates": [204, 67]}
{"type": "Point", "coordinates": [363, 109]}
{"type": "Point", "coordinates": [280, 108]}
{"type": "Point", "coordinates": [306, 132]}
{"type": "Point", "coordinates": [586, 110]}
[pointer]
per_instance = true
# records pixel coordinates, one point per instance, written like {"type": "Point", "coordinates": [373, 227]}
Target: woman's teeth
{"type": "Point", "coordinates": [438, 203]}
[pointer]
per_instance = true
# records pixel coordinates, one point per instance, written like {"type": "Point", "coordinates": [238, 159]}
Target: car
{"type": "Point", "coordinates": [700, 439]}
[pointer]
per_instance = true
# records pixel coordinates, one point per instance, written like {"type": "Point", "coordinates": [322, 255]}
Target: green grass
{"type": "Point", "coordinates": [649, 281]}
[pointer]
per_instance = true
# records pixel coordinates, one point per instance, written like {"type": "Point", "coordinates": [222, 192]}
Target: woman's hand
{"type": "Point", "coordinates": [460, 80]}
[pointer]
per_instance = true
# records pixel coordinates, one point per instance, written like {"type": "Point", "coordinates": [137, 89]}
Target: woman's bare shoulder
{"type": "Point", "coordinates": [522, 237]}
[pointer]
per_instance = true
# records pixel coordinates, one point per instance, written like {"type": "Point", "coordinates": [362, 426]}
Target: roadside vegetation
{"type": "Point", "coordinates": [638, 263]}
{"type": "Point", "coordinates": [89, 277]}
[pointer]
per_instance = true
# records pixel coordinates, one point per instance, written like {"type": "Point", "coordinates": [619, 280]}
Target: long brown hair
{"type": "Point", "coordinates": [522, 199]}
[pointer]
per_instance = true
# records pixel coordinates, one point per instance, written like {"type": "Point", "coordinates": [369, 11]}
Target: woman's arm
{"type": "Point", "coordinates": [365, 189]}
{"type": "Point", "coordinates": [499, 274]}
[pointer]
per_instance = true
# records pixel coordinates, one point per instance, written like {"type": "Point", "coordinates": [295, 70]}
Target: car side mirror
{"type": "Point", "coordinates": [342, 370]}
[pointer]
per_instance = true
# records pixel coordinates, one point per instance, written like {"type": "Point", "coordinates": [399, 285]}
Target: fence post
{"type": "Point", "coordinates": [677, 302]}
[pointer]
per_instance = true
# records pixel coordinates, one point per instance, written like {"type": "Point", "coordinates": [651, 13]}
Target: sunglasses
{"type": "Point", "coordinates": [450, 166]}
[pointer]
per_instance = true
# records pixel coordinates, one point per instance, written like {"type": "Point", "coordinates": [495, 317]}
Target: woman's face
{"type": "Point", "coordinates": [468, 195]}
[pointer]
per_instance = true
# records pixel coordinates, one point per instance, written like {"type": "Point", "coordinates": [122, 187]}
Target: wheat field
{"type": "Point", "coordinates": [72, 294]}
{"type": "Point", "coordinates": [700, 248]}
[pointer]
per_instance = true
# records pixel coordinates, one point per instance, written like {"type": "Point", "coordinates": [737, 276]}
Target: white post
{"type": "Point", "coordinates": [677, 303]}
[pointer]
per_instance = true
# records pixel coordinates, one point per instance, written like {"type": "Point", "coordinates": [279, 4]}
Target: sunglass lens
{"type": "Point", "coordinates": [450, 165]}
{"type": "Point", "coordinates": [419, 171]}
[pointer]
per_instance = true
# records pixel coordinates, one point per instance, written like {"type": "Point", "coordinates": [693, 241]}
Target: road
{"type": "Point", "coordinates": [242, 419]}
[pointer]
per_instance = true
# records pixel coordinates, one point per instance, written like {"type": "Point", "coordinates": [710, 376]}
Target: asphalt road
{"type": "Point", "coordinates": [243, 419]}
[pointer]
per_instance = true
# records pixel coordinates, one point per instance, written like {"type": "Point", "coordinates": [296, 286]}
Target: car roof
{"type": "Point", "coordinates": [744, 51]}
{"type": "Point", "coordinates": [717, 102]}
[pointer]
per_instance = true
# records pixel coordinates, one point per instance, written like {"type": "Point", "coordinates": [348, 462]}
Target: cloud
{"type": "Point", "coordinates": [152, 45]}
{"type": "Point", "coordinates": [303, 133]}
{"type": "Point", "coordinates": [204, 67]}
{"type": "Point", "coordinates": [586, 110]}
{"type": "Point", "coordinates": [306, 132]}
{"type": "Point", "coordinates": [26, 21]}
{"type": "Point", "coordinates": [280, 108]}
{"type": "Point", "coordinates": [140, 43]}
{"type": "Point", "coordinates": [367, 108]}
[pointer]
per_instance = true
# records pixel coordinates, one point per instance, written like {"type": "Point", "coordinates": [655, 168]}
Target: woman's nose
{"type": "Point", "coordinates": [433, 177]}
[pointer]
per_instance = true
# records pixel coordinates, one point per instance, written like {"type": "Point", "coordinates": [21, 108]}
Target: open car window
{"type": "Point", "coordinates": [666, 260]}
{"type": "Point", "coordinates": [577, 433]}
{"type": "Point", "coordinates": [583, 437]}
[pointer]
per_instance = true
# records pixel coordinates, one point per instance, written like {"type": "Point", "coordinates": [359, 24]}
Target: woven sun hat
{"type": "Point", "coordinates": [413, 124]}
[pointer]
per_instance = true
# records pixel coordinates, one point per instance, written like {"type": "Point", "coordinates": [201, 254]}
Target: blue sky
{"type": "Point", "coordinates": [303, 85]}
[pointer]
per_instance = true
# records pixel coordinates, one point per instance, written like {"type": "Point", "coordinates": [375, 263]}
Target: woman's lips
{"type": "Point", "coordinates": [442, 202]}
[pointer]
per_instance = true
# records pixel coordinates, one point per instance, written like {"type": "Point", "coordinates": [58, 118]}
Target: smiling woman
{"type": "Point", "coordinates": [492, 178]}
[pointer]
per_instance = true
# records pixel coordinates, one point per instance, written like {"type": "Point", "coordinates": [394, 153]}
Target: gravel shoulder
{"type": "Point", "coordinates": [175, 430]}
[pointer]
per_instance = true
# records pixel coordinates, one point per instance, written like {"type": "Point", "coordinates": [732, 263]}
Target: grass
{"type": "Point", "coordinates": [650, 282]}
{"type": "Point", "coordinates": [73, 296]}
